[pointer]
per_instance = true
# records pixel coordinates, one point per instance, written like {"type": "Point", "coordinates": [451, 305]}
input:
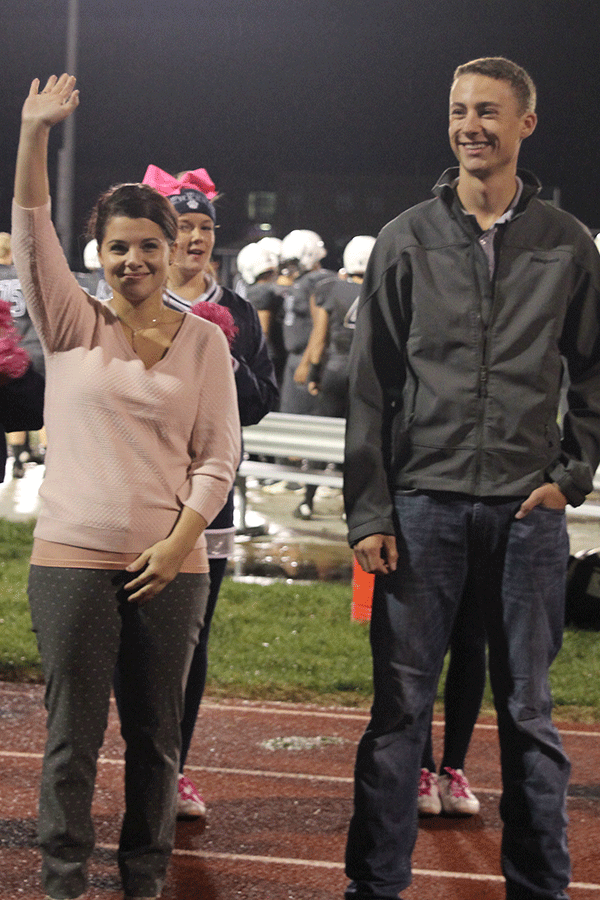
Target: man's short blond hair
{"type": "Point", "coordinates": [503, 70]}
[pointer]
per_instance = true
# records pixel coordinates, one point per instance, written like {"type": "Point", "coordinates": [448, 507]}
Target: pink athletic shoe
{"type": "Point", "coordinates": [429, 803]}
{"type": "Point", "coordinates": [456, 795]}
{"type": "Point", "coordinates": [190, 803]}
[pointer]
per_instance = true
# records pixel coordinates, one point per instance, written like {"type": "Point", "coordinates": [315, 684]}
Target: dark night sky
{"type": "Point", "coordinates": [252, 88]}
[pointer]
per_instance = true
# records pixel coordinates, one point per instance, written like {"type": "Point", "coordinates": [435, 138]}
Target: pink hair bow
{"type": "Point", "coordinates": [166, 184]}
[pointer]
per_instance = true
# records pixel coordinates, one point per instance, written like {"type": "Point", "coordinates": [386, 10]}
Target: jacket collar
{"type": "Point", "coordinates": [444, 188]}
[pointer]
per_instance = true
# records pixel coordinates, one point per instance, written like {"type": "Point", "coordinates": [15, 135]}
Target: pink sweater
{"type": "Point", "coordinates": [127, 446]}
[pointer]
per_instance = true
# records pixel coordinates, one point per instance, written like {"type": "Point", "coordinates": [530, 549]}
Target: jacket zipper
{"type": "Point", "coordinates": [483, 375]}
{"type": "Point", "coordinates": [484, 371]}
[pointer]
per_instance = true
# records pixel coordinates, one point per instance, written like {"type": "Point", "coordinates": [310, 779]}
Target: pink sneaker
{"type": "Point", "coordinates": [428, 802]}
{"type": "Point", "coordinates": [190, 803]}
{"type": "Point", "coordinates": [456, 795]}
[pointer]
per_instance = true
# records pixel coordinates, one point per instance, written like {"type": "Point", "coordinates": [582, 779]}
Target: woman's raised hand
{"type": "Point", "coordinates": [55, 102]}
{"type": "Point", "coordinates": [41, 110]}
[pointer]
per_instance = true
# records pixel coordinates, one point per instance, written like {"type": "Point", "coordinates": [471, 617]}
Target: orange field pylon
{"type": "Point", "coordinates": [362, 593]}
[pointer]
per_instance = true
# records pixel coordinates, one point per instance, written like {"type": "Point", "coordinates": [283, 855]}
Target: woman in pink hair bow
{"type": "Point", "coordinates": [191, 286]}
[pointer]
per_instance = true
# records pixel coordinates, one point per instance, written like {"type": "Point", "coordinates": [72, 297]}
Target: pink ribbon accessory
{"type": "Point", "coordinates": [167, 185]}
{"type": "Point", "coordinates": [220, 315]}
{"type": "Point", "coordinates": [14, 360]}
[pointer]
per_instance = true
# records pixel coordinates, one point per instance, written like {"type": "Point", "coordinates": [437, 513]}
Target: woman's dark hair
{"type": "Point", "coordinates": [135, 201]}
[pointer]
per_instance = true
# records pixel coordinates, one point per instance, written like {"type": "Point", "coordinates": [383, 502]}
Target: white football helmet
{"type": "Point", "coordinates": [254, 260]}
{"type": "Point", "coordinates": [304, 246]}
{"type": "Point", "coordinates": [356, 254]}
{"type": "Point", "coordinates": [267, 256]}
{"type": "Point", "coordinates": [273, 244]}
{"type": "Point", "coordinates": [90, 255]}
{"type": "Point", "coordinates": [244, 262]}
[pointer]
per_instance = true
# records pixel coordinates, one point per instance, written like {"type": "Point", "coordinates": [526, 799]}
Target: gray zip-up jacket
{"type": "Point", "coordinates": [455, 377]}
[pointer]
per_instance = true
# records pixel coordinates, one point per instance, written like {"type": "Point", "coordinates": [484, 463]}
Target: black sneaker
{"type": "Point", "coordinates": [39, 457]}
{"type": "Point", "coordinates": [304, 511]}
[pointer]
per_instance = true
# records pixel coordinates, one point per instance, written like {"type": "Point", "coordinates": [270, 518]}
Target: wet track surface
{"type": "Point", "coordinates": [278, 782]}
{"type": "Point", "coordinates": [277, 778]}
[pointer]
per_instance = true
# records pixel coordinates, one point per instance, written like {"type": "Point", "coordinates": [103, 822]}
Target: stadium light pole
{"type": "Point", "coordinates": [66, 154]}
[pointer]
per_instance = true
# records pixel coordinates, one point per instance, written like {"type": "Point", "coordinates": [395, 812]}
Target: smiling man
{"type": "Point", "coordinates": [457, 475]}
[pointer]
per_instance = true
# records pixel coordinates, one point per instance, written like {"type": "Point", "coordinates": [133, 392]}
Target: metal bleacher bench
{"type": "Point", "coordinates": [284, 438]}
{"type": "Point", "coordinates": [316, 439]}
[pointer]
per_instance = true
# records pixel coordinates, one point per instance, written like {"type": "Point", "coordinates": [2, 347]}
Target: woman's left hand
{"type": "Point", "coordinates": [158, 565]}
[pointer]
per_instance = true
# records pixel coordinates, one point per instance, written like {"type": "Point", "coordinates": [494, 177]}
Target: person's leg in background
{"type": "Point", "coordinates": [190, 803]}
{"type": "Point", "coordinates": [17, 443]}
{"type": "Point", "coordinates": [332, 400]}
{"type": "Point", "coordinates": [463, 693]}
{"type": "Point", "coordinates": [219, 537]}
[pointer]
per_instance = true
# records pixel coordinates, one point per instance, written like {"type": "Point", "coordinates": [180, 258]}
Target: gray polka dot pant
{"type": "Point", "coordinates": [88, 634]}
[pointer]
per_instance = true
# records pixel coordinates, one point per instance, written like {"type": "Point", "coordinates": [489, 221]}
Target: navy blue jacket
{"type": "Point", "coordinates": [255, 376]}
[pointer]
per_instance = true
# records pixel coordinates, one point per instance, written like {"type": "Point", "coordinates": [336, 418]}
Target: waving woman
{"type": "Point", "coordinates": [140, 458]}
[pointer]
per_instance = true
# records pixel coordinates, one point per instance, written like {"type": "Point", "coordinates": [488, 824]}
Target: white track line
{"type": "Point", "coordinates": [283, 711]}
{"type": "Point", "coordinates": [251, 773]}
{"type": "Point", "coordinates": [322, 864]}
{"type": "Point", "coordinates": [329, 864]}
{"type": "Point", "coordinates": [331, 714]}
{"type": "Point", "coordinates": [360, 717]}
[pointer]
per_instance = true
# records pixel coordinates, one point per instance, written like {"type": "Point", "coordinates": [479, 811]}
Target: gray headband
{"type": "Point", "coordinates": [193, 201]}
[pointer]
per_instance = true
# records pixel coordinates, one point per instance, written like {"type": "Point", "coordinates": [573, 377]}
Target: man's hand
{"type": "Point", "coordinates": [377, 554]}
{"type": "Point", "coordinates": [548, 495]}
{"type": "Point", "coordinates": [301, 373]}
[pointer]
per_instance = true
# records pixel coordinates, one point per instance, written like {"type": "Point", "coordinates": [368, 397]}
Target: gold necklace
{"type": "Point", "coordinates": [151, 324]}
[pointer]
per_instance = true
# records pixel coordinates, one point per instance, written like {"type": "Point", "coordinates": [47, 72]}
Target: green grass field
{"type": "Point", "coordinates": [281, 641]}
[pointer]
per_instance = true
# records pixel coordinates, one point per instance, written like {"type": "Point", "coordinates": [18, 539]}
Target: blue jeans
{"type": "Point", "coordinates": [447, 545]}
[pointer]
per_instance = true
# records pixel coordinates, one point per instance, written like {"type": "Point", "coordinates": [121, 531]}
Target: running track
{"type": "Point", "coordinates": [278, 780]}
